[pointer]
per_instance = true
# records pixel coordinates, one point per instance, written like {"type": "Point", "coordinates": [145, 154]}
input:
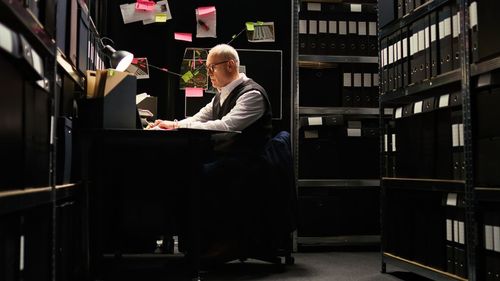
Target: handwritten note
{"type": "Point", "coordinates": [205, 10]}
{"type": "Point", "coordinates": [183, 36]}
{"type": "Point", "coordinates": [194, 92]}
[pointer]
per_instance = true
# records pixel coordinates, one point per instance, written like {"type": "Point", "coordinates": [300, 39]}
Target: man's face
{"type": "Point", "coordinates": [220, 70]}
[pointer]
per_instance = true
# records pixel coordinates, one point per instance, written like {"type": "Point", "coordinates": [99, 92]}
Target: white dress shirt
{"type": "Point", "coordinates": [249, 108]}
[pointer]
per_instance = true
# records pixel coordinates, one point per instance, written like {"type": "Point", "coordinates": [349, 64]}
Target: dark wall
{"type": "Point", "coordinates": [155, 41]}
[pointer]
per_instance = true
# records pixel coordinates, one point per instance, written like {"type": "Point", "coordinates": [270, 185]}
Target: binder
{"type": "Point", "coordinates": [347, 87]}
{"type": "Point", "coordinates": [455, 35]}
{"type": "Point", "coordinates": [367, 97]}
{"type": "Point", "coordinates": [405, 58]}
{"type": "Point", "coordinates": [445, 39]}
{"type": "Point", "coordinates": [390, 66]}
{"type": "Point", "coordinates": [401, 10]}
{"type": "Point", "coordinates": [375, 89]}
{"type": "Point", "coordinates": [387, 12]}
{"type": "Point", "coordinates": [352, 38]}
{"type": "Point", "coordinates": [398, 83]}
{"type": "Point", "coordinates": [332, 37]}
{"type": "Point", "coordinates": [427, 47]}
{"type": "Point", "coordinates": [357, 83]}
{"type": "Point", "coordinates": [73, 32]}
{"type": "Point", "coordinates": [434, 47]}
{"type": "Point", "coordinates": [342, 38]}
{"type": "Point", "coordinates": [484, 35]}
{"type": "Point", "coordinates": [420, 52]}
{"type": "Point", "coordinates": [322, 37]}
{"type": "Point", "coordinates": [372, 38]}
{"type": "Point", "coordinates": [384, 79]}
{"type": "Point", "coordinates": [363, 39]}
{"type": "Point", "coordinates": [312, 37]}
{"type": "Point", "coordinates": [83, 41]}
{"type": "Point", "coordinates": [303, 36]}
{"type": "Point", "coordinates": [413, 44]}
{"type": "Point", "coordinates": [409, 6]}
{"type": "Point", "coordinates": [457, 145]}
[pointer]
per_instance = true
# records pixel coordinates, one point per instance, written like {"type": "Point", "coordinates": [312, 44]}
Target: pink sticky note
{"type": "Point", "coordinates": [194, 92]}
{"type": "Point", "coordinates": [183, 36]}
{"type": "Point", "coordinates": [145, 5]}
{"type": "Point", "coordinates": [206, 10]}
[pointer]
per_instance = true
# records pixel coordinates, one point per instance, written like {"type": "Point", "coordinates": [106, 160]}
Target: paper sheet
{"type": "Point", "coordinates": [161, 13]}
{"type": "Point", "coordinates": [206, 22]}
{"type": "Point", "coordinates": [260, 32]}
{"type": "Point", "coordinates": [130, 14]}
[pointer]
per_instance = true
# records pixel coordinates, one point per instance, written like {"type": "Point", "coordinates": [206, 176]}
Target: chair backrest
{"type": "Point", "coordinates": [278, 155]}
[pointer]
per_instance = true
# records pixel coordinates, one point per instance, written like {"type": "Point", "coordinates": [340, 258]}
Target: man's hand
{"type": "Point", "coordinates": [163, 124]}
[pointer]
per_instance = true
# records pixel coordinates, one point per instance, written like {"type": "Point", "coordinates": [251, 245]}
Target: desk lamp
{"type": "Point", "coordinates": [119, 60]}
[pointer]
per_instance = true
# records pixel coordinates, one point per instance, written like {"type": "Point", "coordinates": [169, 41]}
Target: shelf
{"type": "Point", "coordinates": [342, 110]}
{"type": "Point", "coordinates": [14, 11]}
{"type": "Point", "coordinates": [408, 18]}
{"type": "Point", "coordinates": [69, 69]}
{"type": "Point", "coordinates": [425, 184]}
{"type": "Point", "coordinates": [420, 269]}
{"type": "Point", "coordinates": [337, 59]}
{"type": "Point", "coordinates": [488, 194]}
{"type": "Point", "coordinates": [409, 93]}
{"type": "Point", "coordinates": [350, 240]}
{"type": "Point", "coordinates": [21, 199]}
{"type": "Point", "coordinates": [485, 66]}
{"type": "Point", "coordinates": [339, 183]}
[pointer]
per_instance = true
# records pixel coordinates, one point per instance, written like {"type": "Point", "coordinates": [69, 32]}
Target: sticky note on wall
{"type": "Point", "coordinates": [183, 36]}
{"type": "Point", "coordinates": [194, 92]}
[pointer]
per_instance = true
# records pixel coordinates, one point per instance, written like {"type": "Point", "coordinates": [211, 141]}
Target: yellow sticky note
{"type": "Point", "coordinates": [187, 76]}
{"type": "Point", "coordinates": [161, 18]}
{"type": "Point", "coordinates": [259, 23]}
{"type": "Point", "coordinates": [250, 26]}
{"type": "Point", "coordinates": [111, 72]}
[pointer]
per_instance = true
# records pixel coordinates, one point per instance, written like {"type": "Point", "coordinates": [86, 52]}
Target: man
{"type": "Point", "coordinates": [229, 198]}
{"type": "Point", "coordinates": [240, 104]}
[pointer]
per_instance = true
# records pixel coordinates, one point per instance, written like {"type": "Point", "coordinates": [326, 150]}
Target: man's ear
{"type": "Point", "coordinates": [231, 65]}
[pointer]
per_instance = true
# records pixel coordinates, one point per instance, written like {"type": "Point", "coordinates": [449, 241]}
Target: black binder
{"type": "Point", "coordinates": [398, 83]}
{"type": "Point", "coordinates": [484, 34]}
{"type": "Point", "coordinates": [384, 79]}
{"type": "Point", "coordinates": [434, 44]}
{"type": "Point", "coordinates": [405, 65]}
{"type": "Point", "coordinates": [387, 12]}
{"type": "Point", "coordinates": [332, 37]}
{"type": "Point", "coordinates": [347, 86]}
{"type": "Point", "coordinates": [342, 37]}
{"type": "Point", "coordinates": [401, 8]}
{"type": "Point", "coordinates": [312, 37]}
{"type": "Point", "coordinates": [427, 47]}
{"type": "Point", "coordinates": [322, 42]}
{"type": "Point", "coordinates": [303, 36]}
{"type": "Point", "coordinates": [413, 48]}
{"type": "Point", "coordinates": [455, 35]}
{"type": "Point", "coordinates": [445, 39]}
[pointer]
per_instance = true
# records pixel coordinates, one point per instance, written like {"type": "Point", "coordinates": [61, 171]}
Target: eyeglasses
{"type": "Point", "coordinates": [211, 67]}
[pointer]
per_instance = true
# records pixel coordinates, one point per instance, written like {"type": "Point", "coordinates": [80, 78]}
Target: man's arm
{"type": "Point", "coordinates": [249, 108]}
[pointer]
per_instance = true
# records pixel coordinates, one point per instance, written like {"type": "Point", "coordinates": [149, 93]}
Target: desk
{"type": "Point", "coordinates": [139, 185]}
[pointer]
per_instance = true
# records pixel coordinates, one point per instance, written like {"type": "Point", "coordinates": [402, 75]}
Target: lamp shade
{"type": "Point", "coordinates": [119, 60]}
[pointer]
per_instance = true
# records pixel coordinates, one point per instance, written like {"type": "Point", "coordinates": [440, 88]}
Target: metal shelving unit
{"type": "Point", "coordinates": [342, 110]}
{"type": "Point", "coordinates": [473, 195]}
{"type": "Point", "coordinates": [337, 59]}
{"type": "Point", "coordinates": [375, 183]}
{"type": "Point", "coordinates": [423, 270]}
{"type": "Point", "coordinates": [416, 91]}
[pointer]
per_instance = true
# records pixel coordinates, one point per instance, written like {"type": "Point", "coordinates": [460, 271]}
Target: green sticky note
{"type": "Point", "coordinates": [250, 26]}
{"type": "Point", "coordinates": [196, 73]}
{"type": "Point", "coordinates": [187, 76]}
{"type": "Point", "coordinates": [160, 18]}
{"type": "Point", "coordinates": [111, 72]}
{"type": "Point", "coordinates": [259, 23]}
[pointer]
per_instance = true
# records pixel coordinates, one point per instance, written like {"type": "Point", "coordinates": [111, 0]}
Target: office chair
{"type": "Point", "coordinates": [278, 218]}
